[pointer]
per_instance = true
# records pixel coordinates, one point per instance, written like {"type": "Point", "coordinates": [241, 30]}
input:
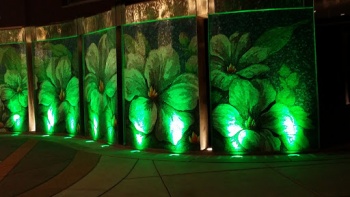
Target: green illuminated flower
{"type": "Point", "coordinates": [14, 92]}
{"type": "Point", "coordinates": [254, 121]}
{"type": "Point", "coordinates": [60, 92]}
{"type": "Point", "coordinates": [236, 56]}
{"type": "Point", "coordinates": [161, 97]}
{"type": "Point", "coordinates": [101, 79]}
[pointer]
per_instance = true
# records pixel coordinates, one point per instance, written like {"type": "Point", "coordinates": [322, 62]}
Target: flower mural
{"type": "Point", "coordinates": [14, 92]}
{"type": "Point", "coordinates": [59, 94]}
{"type": "Point", "coordinates": [58, 87]}
{"type": "Point", "coordinates": [251, 111]}
{"type": "Point", "coordinates": [100, 86]}
{"type": "Point", "coordinates": [161, 97]}
{"type": "Point", "coordinates": [237, 56]}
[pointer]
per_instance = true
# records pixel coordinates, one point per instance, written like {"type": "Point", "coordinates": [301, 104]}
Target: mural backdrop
{"type": "Point", "coordinates": [13, 88]}
{"type": "Point", "coordinates": [57, 96]}
{"type": "Point", "coordinates": [100, 84]}
{"type": "Point", "coordinates": [263, 81]}
{"type": "Point", "coordinates": [161, 84]}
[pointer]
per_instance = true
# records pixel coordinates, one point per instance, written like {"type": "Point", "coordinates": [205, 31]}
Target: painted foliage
{"type": "Point", "coordinates": [263, 81]}
{"type": "Point", "coordinates": [57, 72]}
{"type": "Point", "coordinates": [100, 85]}
{"type": "Point", "coordinates": [13, 88]}
{"type": "Point", "coordinates": [161, 84]}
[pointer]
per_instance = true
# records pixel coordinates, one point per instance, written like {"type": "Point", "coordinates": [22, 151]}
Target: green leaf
{"type": "Point", "coordinates": [111, 86]}
{"type": "Point", "coordinates": [59, 50]}
{"type": "Point", "coordinates": [111, 64]}
{"type": "Point", "coordinates": [182, 96]}
{"type": "Point", "coordinates": [129, 43]}
{"type": "Point", "coordinates": [143, 114]}
{"type": "Point", "coordinates": [135, 84]}
{"type": "Point", "coordinates": [254, 55]}
{"type": "Point", "coordinates": [162, 67]}
{"type": "Point", "coordinates": [221, 80]}
{"type": "Point", "coordinates": [227, 120]}
{"type": "Point", "coordinates": [183, 39]}
{"type": "Point", "coordinates": [51, 71]}
{"type": "Point", "coordinates": [192, 64]}
{"type": "Point", "coordinates": [240, 44]}
{"type": "Point", "coordinates": [47, 94]}
{"type": "Point", "coordinates": [275, 39]}
{"type": "Point", "coordinates": [92, 59]}
{"type": "Point", "coordinates": [192, 47]}
{"type": "Point", "coordinates": [63, 72]}
{"type": "Point", "coordinates": [253, 70]}
{"type": "Point", "coordinates": [292, 80]}
{"type": "Point", "coordinates": [220, 46]}
{"type": "Point", "coordinates": [103, 50]}
{"type": "Point", "coordinates": [13, 79]}
{"type": "Point", "coordinates": [172, 124]}
{"type": "Point", "coordinates": [142, 46]}
{"type": "Point", "coordinates": [72, 91]}
{"type": "Point", "coordinates": [286, 96]}
{"type": "Point", "coordinates": [243, 96]}
{"type": "Point", "coordinates": [284, 71]}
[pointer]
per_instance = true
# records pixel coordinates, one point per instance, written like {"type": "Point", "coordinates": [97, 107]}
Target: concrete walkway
{"type": "Point", "coordinates": [34, 165]}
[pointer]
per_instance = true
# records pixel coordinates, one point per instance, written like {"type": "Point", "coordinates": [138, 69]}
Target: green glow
{"type": "Point", "coordinates": [104, 145]}
{"type": "Point", "coordinates": [110, 135]}
{"type": "Point", "coordinates": [176, 129]}
{"type": "Point", "coordinates": [172, 155]}
{"type": "Point", "coordinates": [18, 122]}
{"type": "Point", "coordinates": [260, 10]}
{"type": "Point", "coordinates": [50, 121]}
{"type": "Point", "coordinates": [236, 156]}
{"type": "Point", "coordinates": [72, 126]}
{"type": "Point", "coordinates": [89, 141]}
{"type": "Point", "coordinates": [293, 155]}
{"type": "Point", "coordinates": [290, 129]}
{"type": "Point", "coordinates": [233, 128]}
{"type": "Point", "coordinates": [139, 126]}
{"type": "Point", "coordinates": [241, 136]}
{"type": "Point", "coordinates": [95, 128]}
{"type": "Point", "coordinates": [68, 137]}
{"type": "Point", "coordinates": [135, 151]}
{"type": "Point", "coordinates": [139, 139]}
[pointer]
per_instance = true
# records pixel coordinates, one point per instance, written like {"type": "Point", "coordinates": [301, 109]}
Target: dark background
{"type": "Point", "coordinates": [332, 25]}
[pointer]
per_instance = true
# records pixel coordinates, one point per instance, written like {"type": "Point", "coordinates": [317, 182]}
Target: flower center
{"type": "Point", "coordinates": [101, 86]}
{"type": "Point", "coordinates": [152, 94]}
{"type": "Point", "coordinates": [250, 123]}
{"type": "Point", "coordinates": [231, 69]}
{"type": "Point", "coordinates": [62, 95]}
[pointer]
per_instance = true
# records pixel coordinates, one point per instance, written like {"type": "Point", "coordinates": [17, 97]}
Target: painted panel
{"type": "Point", "coordinates": [263, 81]}
{"type": "Point", "coordinates": [161, 84]}
{"type": "Point", "coordinates": [56, 67]}
{"type": "Point", "coordinates": [100, 84]}
{"type": "Point", "coordinates": [13, 88]}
